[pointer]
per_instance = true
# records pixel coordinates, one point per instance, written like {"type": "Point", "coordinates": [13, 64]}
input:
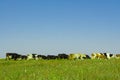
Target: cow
{"type": "Point", "coordinates": [117, 56]}
{"type": "Point", "coordinates": [74, 56]}
{"type": "Point", "coordinates": [13, 56]}
{"type": "Point", "coordinates": [101, 56]}
{"type": "Point", "coordinates": [109, 56]}
{"type": "Point", "coordinates": [87, 57]}
{"type": "Point", "coordinates": [98, 56]}
{"type": "Point", "coordinates": [52, 57]}
{"type": "Point", "coordinates": [62, 56]}
{"type": "Point", "coordinates": [32, 56]}
{"type": "Point", "coordinates": [23, 57]}
{"type": "Point", "coordinates": [42, 57]}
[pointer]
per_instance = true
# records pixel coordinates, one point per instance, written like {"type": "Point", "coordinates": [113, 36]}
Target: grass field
{"type": "Point", "coordinates": [60, 70]}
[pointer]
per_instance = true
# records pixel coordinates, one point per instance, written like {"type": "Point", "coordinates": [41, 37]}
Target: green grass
{"type": "Point", "coordinates": [60, 70]}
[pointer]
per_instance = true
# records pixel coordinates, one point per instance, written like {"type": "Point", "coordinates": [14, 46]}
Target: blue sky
{"type": "Point", "coordinates": [59, 26]}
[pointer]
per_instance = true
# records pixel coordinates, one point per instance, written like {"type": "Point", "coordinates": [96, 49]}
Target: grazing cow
{"type": "Point", "coordinates": [63, 56]}
{"type": "Point", "coordinates": [32, 56]}
{"type": "Point", "coordinates": [13, 56]}
{"type": "Point", "coordinates": [52, 57]}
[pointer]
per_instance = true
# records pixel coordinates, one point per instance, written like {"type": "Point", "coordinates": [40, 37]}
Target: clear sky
{"type": "Point", "coordinates": [59, 26]}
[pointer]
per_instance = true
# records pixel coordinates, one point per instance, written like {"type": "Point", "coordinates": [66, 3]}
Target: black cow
{"type": "Point", "coordinates": [63, 56]}
{"type": "Point", "coordinates": [52, 57]}
{"type": "Point", "coordinates": [13, 56]}
{"type": "Point", "coordinates": [42, 57]}
{"type": "Point", "coordinates": [24, 57]}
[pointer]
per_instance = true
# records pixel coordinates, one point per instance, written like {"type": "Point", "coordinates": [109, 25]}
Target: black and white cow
{"type": "Point", "coordinates": [101, 56]}
{"type": "Point", "coordinates": [32, 56]}
{"type": "Point", "coordinates": [87, 57]}
{"type": "Point", "coordinates": [13, 56]}
{"type": "Point", "coordinates": [109, 56]}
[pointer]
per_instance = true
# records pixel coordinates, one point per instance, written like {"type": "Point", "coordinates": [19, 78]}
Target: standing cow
{"type": "Point", "coordinates": [74, 56]}
{"type": "Point", "coordinates": [117, 56]}
{"type": "Point", "coordinates": [32, 56]}
{"type": "Point", "coordinates": [13, 56]}
{"type": "Point", "coordinates": [52, 57]}
{"type": "Point", "coordinates": [62, 56]}
{"type": "Point", "coordinates": [101, 56]}
{"type": "Point", "coordinates": [42, 57]}
{"type": "Point", "coordinates": [23, 57]}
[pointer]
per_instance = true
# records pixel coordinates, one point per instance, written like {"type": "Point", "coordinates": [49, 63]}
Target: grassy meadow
{"type": "Point", "coordinates": [60, 69]}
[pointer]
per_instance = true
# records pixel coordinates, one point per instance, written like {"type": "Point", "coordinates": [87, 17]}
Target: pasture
{"type": "Point", "coordinates": [60, 69]}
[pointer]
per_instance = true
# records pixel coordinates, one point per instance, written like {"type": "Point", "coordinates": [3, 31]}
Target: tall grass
{"type": "Point", "coordinates": [60, 70]}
